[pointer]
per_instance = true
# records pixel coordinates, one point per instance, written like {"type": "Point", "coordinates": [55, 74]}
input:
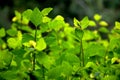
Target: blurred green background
{"type": "Point", "coordinates": [109, 9]}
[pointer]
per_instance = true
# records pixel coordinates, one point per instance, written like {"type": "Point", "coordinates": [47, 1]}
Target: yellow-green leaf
{"type": "Point", "coordinates": [84, 23]}
{"type": "Point", "coordinates": [97, 17]}
{"type": "Point", "coordinates": [92, 23]}
{"type": "Point", "coordinates": [103, 23]}
{"type": "Point", "coordinates": [40, 44]}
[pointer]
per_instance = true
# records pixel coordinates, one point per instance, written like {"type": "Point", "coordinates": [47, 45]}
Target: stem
{"type": "Point", "coordinates": [43, 72]}
{"type": "Point", "coordinates": [34, 56]}
{"type": "Point", "coordinates": [82, 54]}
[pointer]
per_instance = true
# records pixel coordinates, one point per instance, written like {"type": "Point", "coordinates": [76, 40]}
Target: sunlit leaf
{"type": "Point", "coordinates": [84, 23]}
{"type": "Point", "coordinates": [27, 13]}
{"type": "Point", "coordinates": [40, 44]}
{"type": "Point", "coordinates": [76, 22]}
{"type": "Point", "coordinates": [17, 17]}
{"type": "Point", "coordinates": [12, 43]}
{"type": "Point", "coordinates": [117, 25]}
{"type": "Point", "coordinates": [97, 17]}
{"type": "Point", "coordinates": [46, 11]}
{"type": "Point", "coordinates": [91, 64]}
{"type": "Point", "coordinates": [92, 23]}
{"type": "Point", "coordinates": [103, 23]}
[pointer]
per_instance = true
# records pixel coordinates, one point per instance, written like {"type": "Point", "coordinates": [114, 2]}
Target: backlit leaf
{"type": "Point", "coordinates": [97, 17]}
{"type": "Point", "coordinates": [84, 23]}
{"type": "Point", "coordinates": [117, 25]}
{"type": "Point", "coordinates": [76, 22]}
{"type": "Point", "coordinates": [46, 11]}
{"type": "Point", "coordinates": [103, 23]}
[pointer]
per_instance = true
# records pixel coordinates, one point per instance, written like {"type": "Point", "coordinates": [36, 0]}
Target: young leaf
{"type": "Point", "coordinates": [76, 22]}
{"type": "Point", "coordinates": [41, 44]}
{"type": "Point", "coordinates": [117, 25]}
{"type": "Point", "coordinates": [36, 17]}
{"type": "Point", "coordinates": [46, 11]}
{"type": "Point", "coordinates": [97, 17]}
{"type": "Point", "coordinates": [92, 23]}
{"type": "Point", "coordinates": [2, 32]}
{"type": "Point", "coordinates": [84, 23]}
{"type": "Point", "coordinates": [103, 23]}
{"type": "Point", "coordinates": [17, 17]}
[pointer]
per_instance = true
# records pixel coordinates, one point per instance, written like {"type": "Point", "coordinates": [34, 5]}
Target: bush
{"type": "Point", "coordinates": [37, 47]}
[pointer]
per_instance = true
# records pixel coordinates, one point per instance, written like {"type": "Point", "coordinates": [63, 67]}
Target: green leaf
{"type": "Point", "coordinates": [92, 23]}
{"type": "Point", "coordinates": [27, 13]}
{"type": "Point", "coordinates": [2, 32]}
{"type": "Point", "coordinates": [2, 44]}
{"type": "Point", "coordinates": [17, 16]}
{"type": "Point", "coordinates": [95, 49]}
{"type": "Point", "coordinates": [41, 44]}
{"type": "Point", "coordinates": [57, 23]}
{"type": "Point", "coordinates": [84, 23]}
{"type": "Point", "coordinates": [63, 70]}
{"type": "Point", "coordinates": [59, 17]}
{"type": "Point", "coordinates": [5, 58]}
{"type": "Point", "coordinates": [45, 60]}
{"type": "Point", "coordinates": [104, 30]}
{"type": "Point", "coordinates": [91, 64]}
{"type": "Point", "coordinates": [79, 33]}
{"type": "Point", "coordinates": [27, 37]}
{"type": "Point", "coordinates": [103, 23]}
{"type": "Point", "coordinates": [89, 35]}
{"type": "Point", "coordinates": [97, 17]}
{"type": "Point", "coordinates": [12, 32]}
{"type": "Point", "coordinates": [19, 55]}
{"type": "Point", "coordinates": [117, 25]}
{"type": "Point", "coordinates": [12, 43]}
{"type": "Point", "coordinates": [46, 19]}
{"type": "Point", "coordinates": [46, 11]}
{"type": "Point", "coordinates": [36, 17]}
{"type": "Point", "coordinates": [76, 22]}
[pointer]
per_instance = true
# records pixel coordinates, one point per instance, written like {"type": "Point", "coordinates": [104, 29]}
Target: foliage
{"type": "Point", "coordinates": [37, 47]}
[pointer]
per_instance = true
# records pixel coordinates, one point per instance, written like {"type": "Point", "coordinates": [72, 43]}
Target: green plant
{"type": "Point", "coordinates": [37, 47]}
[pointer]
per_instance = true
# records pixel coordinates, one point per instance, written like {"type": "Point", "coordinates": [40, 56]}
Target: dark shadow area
{"type": "Point", "coordinates": [110, 10]}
